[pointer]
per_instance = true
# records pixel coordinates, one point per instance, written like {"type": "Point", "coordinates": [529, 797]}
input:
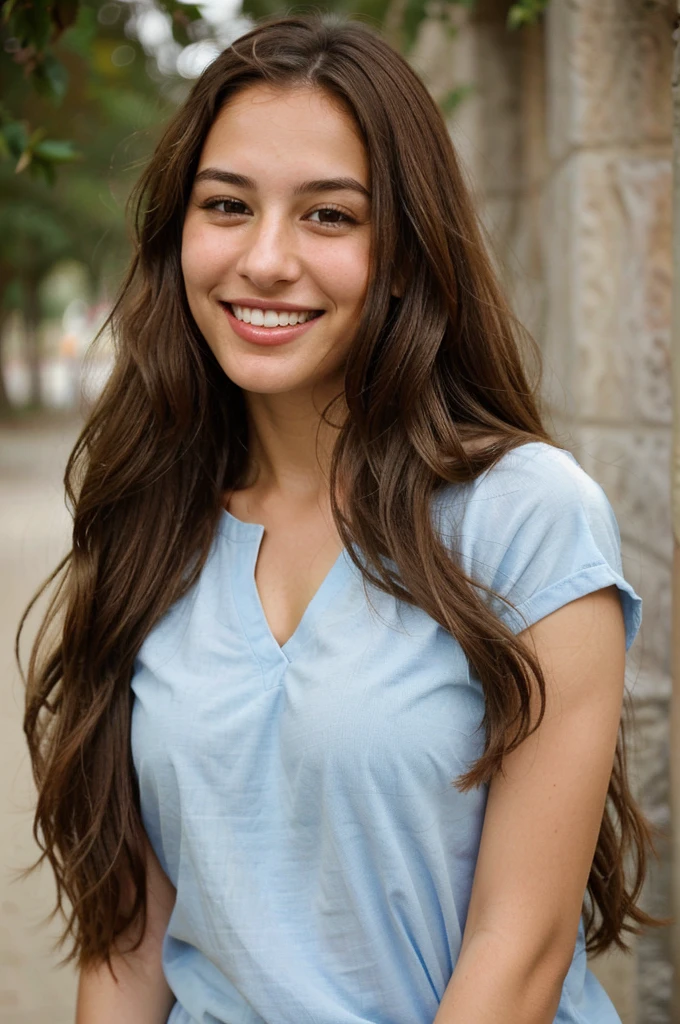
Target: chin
{"type": "Point", "coordinates": [274, 382]}
{"type": "Point", "coordinates": [275, 371]}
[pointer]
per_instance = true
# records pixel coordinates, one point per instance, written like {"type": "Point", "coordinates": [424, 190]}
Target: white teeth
{"type": "Point", "coordinates": [270, 317]}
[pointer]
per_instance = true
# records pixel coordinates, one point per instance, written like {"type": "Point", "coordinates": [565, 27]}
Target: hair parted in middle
{"type": "Point", "coordinates": [436, 391]}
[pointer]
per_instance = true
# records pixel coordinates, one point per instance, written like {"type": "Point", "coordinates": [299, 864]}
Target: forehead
{"type": "Point", "coordinates": [283, 131]}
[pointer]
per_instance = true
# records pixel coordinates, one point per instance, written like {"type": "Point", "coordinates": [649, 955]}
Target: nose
{"type": "Point", "coordinates": [269, 254]}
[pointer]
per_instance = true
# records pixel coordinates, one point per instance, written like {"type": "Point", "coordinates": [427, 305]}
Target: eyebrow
{"type": "Point", "coordinates": [304, 188]}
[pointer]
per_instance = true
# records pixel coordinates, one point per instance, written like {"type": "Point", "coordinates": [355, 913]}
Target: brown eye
{"type": "Point", "coordinates": [212, 204]}
{"type": "Point", "coordinates": [335, 213]}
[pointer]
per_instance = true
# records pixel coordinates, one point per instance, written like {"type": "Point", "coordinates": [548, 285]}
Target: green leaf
{"type": "Point", "coordinates": [30, 23]}
{"type": "Point", "coordinates": [526, 12]}
{"type": "Point", "coordinates": [51, 78]}
{"type": "Point", "coordinates": [517, 17]}
{"type": "Point", "coordinates": [24, 161]}
{"type": "Point", "coordinates": [56, 151]}
{"type": "Point", "coordinates": [35, 137]}
{"type": "Point", "coordinates": [181, 15]}
{"type": "Point", "coordinates": [45, 169]}
{"type": "Point", "coordinates": [8, 9]}
{"type": "Point", "coordinates": [64, 13]}
{"type": "Point", "coordinates": [16, 137]}
{"type": "Point", "coordinates": [39, 155]}
{"type": "Point", "coordinates": [454, 98]}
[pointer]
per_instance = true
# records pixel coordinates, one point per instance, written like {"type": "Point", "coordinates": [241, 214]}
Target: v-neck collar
{"type": "Point", "coordinates": [274, 658]}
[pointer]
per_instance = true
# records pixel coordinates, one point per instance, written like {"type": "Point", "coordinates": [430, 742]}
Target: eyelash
{"type": "Point", "coordinates": [212, 204]}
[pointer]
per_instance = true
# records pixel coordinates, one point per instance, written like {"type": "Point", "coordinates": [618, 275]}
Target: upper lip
{"type": "Point", "coordinates": [268, 304]}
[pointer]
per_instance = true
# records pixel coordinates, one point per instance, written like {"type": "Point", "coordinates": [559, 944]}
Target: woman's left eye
{"type": "Point", "coordinates": [338, 213]}
{"type": "Point", "coordinates": [213, 204]}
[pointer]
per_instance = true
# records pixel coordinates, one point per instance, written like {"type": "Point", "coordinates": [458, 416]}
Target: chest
{"type": "Point", "coordinates": [290, 568]}
{"type": "Point", "coordinates": [370, 691]}
{"type": "Point", "coordinates": [295, 555]}
{"type": "Point", "coordinates": [370, 710]}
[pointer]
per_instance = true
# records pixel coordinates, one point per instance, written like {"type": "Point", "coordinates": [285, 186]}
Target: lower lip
{"type": "Point", "coordinates": [267, 335]}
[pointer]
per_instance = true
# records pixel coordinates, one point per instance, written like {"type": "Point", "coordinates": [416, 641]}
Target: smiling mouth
{"type": "Point", "coordinates": [314, 313]}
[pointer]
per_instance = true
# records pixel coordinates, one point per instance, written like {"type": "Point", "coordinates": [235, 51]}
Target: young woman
{"type": "Point", "coordinates": [343, 629]}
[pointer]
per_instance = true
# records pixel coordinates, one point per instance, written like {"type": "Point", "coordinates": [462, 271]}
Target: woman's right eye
{"type": "Point", "coordinates": [213, 204]}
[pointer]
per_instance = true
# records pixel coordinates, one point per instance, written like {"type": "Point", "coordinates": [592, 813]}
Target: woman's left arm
{"type": "Point", "coordinates": [541, 825]}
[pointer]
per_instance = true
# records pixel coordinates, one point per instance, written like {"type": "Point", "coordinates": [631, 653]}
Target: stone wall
{"type": "Point", "coordinates": [566, 139]}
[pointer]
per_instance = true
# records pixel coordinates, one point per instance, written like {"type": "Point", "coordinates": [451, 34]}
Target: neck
{"type": "Point", "coordinates": [289, 444]}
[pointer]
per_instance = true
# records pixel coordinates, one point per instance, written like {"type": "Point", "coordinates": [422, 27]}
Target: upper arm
{"type": "Point", "coordinates": [543, 814]}
{"type": "Point", "coordinates": [161, 894]}
{"type": "Point", "coordinates": [140, 993]}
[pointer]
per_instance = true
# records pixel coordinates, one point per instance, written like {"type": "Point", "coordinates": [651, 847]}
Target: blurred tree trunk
{"type": "Point", "coordinates": [393, 22]}
{"type": "Point", "coordinates": [6, 275]}
{"type": "Point", "coordinates": [31, 325]}
{"type": "Point", "coordinates": [675, 510]}
{"type": "Point", "coordinates": [4, 398]}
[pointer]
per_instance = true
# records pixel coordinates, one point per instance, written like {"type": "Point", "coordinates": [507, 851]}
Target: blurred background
{"type": "Point", "coordinates": [562, 114]}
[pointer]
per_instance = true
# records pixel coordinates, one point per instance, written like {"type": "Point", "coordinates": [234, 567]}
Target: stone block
{"type": "Point", "coordinates": [648, 754]}
{"type": "Point", "coordinates": [648, 743]}
{"type": "Point", "coordinates": [654, 951]}
{"type": "Point", "coordinates": [655, 979]}
{"type": "Point", "coordinates": [633, 467]}
{"type": "Point", "coordinates": [617, 971]}
{"type": "Point", "coordinates": [649, 657]}
{"type": "Point", "coordinates": [533, 127]}
{"type": "Point", "coordinates": [607, 241]}
{"type": "Point", "coordinates": [639, 985]}
{"type": "Point", "coordinates": [457, 52]}
{"type": "Point", "coordinates": [498, 84]}
{"type": "Point", "coordinates": [644, 189]}
{"type": "Point", "coordinates": [441, 54]}
{"type": "Point", "coordinates": [558, 214]}
{"type": "Point", "coordinates": [609, 73]}
{"type": "Point", "coordinates": [514, 235]}
{"type": "Point", "coordinates": [444, 55]}
{"type": "Point", "coordinates": [647, 683]}
{"type": "Point", "coordinates": [655, 590]}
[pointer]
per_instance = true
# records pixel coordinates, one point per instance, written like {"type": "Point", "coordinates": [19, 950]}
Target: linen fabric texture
{"type": "Point", "coordinates": [300, 797]}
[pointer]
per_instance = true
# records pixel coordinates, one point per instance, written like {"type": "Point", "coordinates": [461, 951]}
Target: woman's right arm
{"type": "Point", "coordinates": [141, 995]}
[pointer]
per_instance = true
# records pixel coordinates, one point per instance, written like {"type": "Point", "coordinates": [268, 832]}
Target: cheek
{"type": "Point", "coordinates": [345, 273]}
{"type": "Point", "coordinates": [203, 257]}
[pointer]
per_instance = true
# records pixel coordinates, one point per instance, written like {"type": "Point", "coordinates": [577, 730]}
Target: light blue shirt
{"type": "Point", "coordinates": [300, 798]}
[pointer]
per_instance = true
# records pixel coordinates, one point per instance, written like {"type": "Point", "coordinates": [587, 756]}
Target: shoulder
{"type": "Point", "coordinates": [535, 480]}
{"type": "Point", "coordinates": [538, 530]}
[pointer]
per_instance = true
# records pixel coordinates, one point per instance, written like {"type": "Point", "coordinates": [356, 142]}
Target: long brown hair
{"type": "Point", "coordinates": [436, 391]}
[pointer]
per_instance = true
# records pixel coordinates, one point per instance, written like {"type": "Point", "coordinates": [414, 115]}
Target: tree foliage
{"type": "Point", "coordinates": [32, 33]}
{"type": "Point", "coordinates": [104, 125]}
{"type": "Point", "coordinates": [526, 12]}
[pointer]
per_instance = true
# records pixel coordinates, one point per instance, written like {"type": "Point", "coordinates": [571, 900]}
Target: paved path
{"type": "Point", "coordinates": [34, 533]}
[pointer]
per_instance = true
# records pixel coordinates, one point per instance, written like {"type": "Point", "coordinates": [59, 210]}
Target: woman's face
{"type": "Point", "coordinates": [279, 217]}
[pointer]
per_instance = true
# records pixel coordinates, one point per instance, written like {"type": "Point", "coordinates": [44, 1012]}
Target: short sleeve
{"type": "Point", "coordinates": [538, 530]}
